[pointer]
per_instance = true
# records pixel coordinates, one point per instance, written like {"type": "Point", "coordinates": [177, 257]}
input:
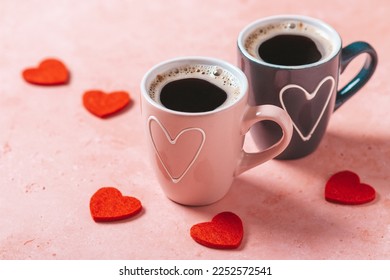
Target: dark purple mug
{"type": "Point", "coordinates": [295, 62]}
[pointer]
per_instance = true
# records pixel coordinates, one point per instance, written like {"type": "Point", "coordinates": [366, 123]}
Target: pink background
{"type": "Point", "coordinates": [54, 154]}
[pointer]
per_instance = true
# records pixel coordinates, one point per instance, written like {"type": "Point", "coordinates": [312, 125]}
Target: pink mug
{"type": "Point", "coordinates": [196, 115]}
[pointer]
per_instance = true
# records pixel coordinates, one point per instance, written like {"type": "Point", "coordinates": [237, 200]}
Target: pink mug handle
{"type": "Point", "coordinates": [261, 113]}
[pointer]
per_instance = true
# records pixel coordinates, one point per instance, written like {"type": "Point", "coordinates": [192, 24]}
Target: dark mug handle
{"type": "Point", "coordinates": [347, 55]}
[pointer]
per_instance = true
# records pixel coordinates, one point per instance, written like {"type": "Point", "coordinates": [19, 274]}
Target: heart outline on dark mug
{"type": "Point", "coordinates": [309, 96]}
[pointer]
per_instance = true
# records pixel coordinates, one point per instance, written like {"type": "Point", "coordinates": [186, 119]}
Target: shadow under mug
{"type": "Point", "coordinates": [308, 92]}
{"type": "Point", "coordinates": [197, 155]}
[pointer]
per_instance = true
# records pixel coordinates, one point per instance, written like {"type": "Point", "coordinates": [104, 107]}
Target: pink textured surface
{"type": "Point", "coordinates": [54, 154]}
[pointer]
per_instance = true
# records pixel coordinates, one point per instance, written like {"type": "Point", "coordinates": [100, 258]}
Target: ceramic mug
{"type": "Point", "coordinates": [197, 151]}
{"type": "Point", "coordinates": [295, 62]}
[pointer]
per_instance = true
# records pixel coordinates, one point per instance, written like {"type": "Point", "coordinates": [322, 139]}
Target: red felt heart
{"type": "Point", "coordinates": [104, 104]}
{"type": "Point", "coordinates": [108, 204]}
{"type": "Point", "coordinates": [344, 187]}
{"type": "Point", "coordinates": [49, 72]}
{"type": "Point", "coordinates": [225, 231]}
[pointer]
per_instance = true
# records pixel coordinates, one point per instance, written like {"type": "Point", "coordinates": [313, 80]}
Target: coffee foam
{"type": "Point", "coordinates": [291, 27]}
{"type": "Point", "coordinates": [213, 74]}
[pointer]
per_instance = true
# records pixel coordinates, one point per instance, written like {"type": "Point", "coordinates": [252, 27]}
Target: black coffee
{"type": "Point", "coordinates": [192, 95]}
{"type": "Point", "coordinates": [289, 50]}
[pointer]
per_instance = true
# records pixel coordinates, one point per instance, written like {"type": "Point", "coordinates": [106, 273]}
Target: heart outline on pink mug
{"type": "Point", "coordinates": [173, 141]}
{"type": "Point", "coordinates": [309, 97]}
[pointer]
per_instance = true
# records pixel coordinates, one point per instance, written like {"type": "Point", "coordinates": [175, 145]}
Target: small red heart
{"type": "Point", "coordinates": [225, 231]}
{"type": "Point", "coordinates": [104, 104]}
{"type": "Point", "coordinates": [344, 187]}
{"type": "Point", "coordinates": [108, 204]}
{"type": "Point", "coordinates": [50, 72]}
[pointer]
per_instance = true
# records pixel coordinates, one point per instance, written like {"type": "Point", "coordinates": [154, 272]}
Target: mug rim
{"type": "Point", "coordinates": [169, 64]}
{"type": "Point", "coordinates": [280, 18]}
